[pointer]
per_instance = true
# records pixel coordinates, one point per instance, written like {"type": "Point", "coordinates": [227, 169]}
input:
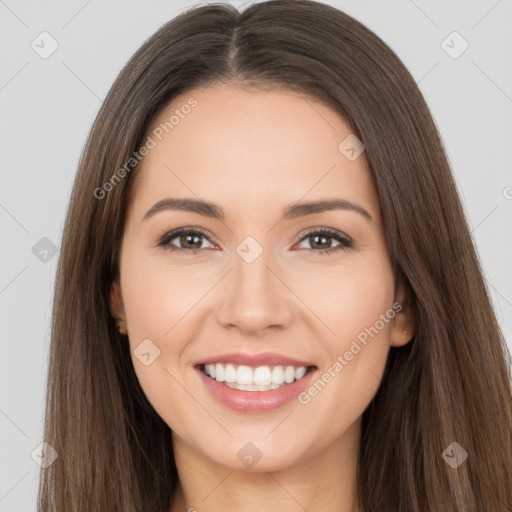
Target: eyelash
{"type": "Point", "coordinates": [345, 241]}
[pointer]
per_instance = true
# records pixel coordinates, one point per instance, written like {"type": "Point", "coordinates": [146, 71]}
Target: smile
{"type": "Point", "coordinates": [261, 378]}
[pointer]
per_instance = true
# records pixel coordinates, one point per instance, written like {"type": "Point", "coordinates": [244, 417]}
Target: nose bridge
{"type": "Point", "coordinates": [255, 298]}
{"type": "Point", "coordinates": [252, 276]}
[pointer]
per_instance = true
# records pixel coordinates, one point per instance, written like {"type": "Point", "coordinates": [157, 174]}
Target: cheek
{"type": "Point", "coordinates": [158, 296]}
{"type": "Point", "coordinates": [368, 318]}
{"type": "Point", "coordinates": [158, 301]}
{"type": "Point", "coordinates": [356, 305]}
{"type": "Point", "coordinates": [349, 297]}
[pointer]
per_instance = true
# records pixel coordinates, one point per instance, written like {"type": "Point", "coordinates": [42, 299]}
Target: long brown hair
{"type": "Point", "coordinates": [451, 383]}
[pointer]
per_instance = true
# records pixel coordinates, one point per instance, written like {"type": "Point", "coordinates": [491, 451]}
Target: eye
{"type": "Point", "coordinates": [190, 239]}
{"type": "Point", "coordinates": [320, 241]}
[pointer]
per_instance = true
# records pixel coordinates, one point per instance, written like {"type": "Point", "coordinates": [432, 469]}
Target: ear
{"type": "Point", "coordinates": [404, 322]}
{"type": "Point", "coordinates": [117, 306]}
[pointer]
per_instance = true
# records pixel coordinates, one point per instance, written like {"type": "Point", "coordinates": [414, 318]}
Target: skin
{"type": "Point", "coordinates": [253, 153]}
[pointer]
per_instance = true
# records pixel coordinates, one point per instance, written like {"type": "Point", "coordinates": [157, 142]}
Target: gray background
{"type": "Point", "coordinates": [48, 106]}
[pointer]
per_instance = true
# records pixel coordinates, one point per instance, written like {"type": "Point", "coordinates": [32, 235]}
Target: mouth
{"type": "Point", "coordinates": [254, 383]}
{"type": "Point", "coordinates": [255, 378]}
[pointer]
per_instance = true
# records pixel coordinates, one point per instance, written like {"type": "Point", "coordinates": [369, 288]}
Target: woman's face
{"type": "Point", "coordinates": [256, 274]}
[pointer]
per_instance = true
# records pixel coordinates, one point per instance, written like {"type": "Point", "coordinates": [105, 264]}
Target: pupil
{"type": "Point", "coordinates": [322, 237]}
{"type": "Point", "coordinates": [189, 237]}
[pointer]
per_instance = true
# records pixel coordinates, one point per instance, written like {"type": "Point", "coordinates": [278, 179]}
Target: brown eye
{"type": "Point", "coordinates": [321, 241]}
{"type": "Point", "coordinates": [184, 240]}
{"type": "Point", "coordinates": [190, 241]}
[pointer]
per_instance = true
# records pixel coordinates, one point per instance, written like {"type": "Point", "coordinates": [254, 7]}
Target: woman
{"type": "Point", "coordinates": [268, 297]}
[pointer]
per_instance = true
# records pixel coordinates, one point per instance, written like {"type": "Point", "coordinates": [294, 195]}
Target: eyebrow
{"type": "Point", "coordinates": [294, 211]}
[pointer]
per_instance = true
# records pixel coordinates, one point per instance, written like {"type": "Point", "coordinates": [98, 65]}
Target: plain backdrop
{"type": "Point", "coordinates": [48, 105]}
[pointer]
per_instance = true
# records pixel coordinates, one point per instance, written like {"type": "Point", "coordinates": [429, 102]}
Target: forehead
{"type": "Point", "coordinates": [250, 147]}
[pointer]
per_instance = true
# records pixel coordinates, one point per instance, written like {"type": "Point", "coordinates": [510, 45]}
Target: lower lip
{"type": "Point", "coordinates": [255, 401]}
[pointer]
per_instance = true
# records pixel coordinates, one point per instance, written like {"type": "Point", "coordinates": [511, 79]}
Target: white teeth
{"type": "Point", "coordinates": [261, 378]}
{"type": "Point", "coordinates": [300, 372]}
{"type": "Point", "coordinates": [219, 373]}
{"type": "Point", "coordinates": [230, 374]}
{"type": "Point", "coordinates": [277, 375]}
{"type": "Point", "coordinates": [251, 387]}
{"type": "Point", "coordinates": [244, 375]}
{"type": "Point", "coordinates": [289, 374]}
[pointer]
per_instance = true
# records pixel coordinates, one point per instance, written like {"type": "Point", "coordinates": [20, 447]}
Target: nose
{"type": "Point", "coordinates": [257, 298]}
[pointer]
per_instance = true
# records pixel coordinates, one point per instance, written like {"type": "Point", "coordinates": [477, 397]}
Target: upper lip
{"type": "Point", "coordinates": [263, 359]}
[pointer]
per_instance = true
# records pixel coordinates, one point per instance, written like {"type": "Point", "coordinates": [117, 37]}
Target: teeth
{"type": "Point", "coordinates": [244, 375]}
{"type": "Point", "coordinates": [251, 387]}
{"type": "Point", "coordinates": [219, 373]}
{"type": "Point", "coordinates": [262, 378]}
{"type": "Point", "coordinates": [289, 374]}
{"type": "Point", "coordinates": [300, 372]}
{"type": "Point", "coordinates": [277, 375]}
{"type": "Point", "coordinates": [230, 375]}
